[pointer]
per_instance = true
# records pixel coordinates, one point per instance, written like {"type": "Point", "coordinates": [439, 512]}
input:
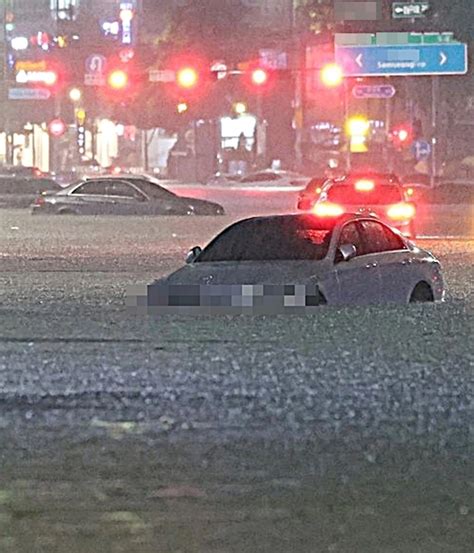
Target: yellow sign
{"type": "Point", "coordinates": [26, 65]}
{"type": "Point", "coordinates": [358, 144]}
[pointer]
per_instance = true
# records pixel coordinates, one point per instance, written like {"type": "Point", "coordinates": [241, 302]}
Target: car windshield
{"type": "Point", "coordinates": [380, 195]}
{"type": "Point", "coordinates": [272, 239]}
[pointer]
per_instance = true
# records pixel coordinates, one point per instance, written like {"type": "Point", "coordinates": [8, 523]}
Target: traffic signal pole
{"type": "Point", "coordinates": [434, 104]}
{"type": "Point", "coordinates": [345, 103]}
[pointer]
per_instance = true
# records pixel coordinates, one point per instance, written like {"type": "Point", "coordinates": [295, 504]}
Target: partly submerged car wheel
{"type": "Point", "coordinates": [422, 293]}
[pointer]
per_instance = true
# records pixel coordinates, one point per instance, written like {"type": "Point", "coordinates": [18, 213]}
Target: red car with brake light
{"type": "Point", "coordinates": [381, 196]}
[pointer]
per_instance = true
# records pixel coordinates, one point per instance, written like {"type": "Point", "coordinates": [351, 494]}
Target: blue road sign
{"type": "Point", "coordinates": [29, 94]}
{"type": "Point", "coordinates": [404, 59]}
{"type": "Point", "coordinates": [373, 91]}
{"type": "Point", "coordinates": [421, 149]}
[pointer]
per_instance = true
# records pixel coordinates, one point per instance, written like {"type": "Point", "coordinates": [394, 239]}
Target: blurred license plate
{"type": "Point", "coordinates": [222, 298]}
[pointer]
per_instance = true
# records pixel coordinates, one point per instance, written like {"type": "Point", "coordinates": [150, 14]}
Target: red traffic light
{"type": "Point", "coordinates": [259, 76]}
{"type": "Point", "coordinates": [57, 127]}
{"type": "Point", "coordinates": [187, 77]}
{"type": "Point", "coordinates": [402, 136]}
{"type": "Point", "coordinates": [332, 75]}
{"type": "Point", "coordinates": [117, 79]}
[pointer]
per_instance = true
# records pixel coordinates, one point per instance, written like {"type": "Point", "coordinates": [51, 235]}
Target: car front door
{"type": "Point", "coordinates": [127, 199]}
{"type": "Point", "coordinates": [395, 261]}
{"type": "Point", "coordinates": [357, 281]}
{"type": "Point", "coordinates": [89, 198]}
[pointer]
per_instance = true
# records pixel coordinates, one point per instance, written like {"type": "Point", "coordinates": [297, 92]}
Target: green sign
{"type": "Point", "coordinates": [406, 10]}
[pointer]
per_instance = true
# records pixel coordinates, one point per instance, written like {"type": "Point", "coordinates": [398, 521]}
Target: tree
{"type": "Point", "coordinates": [209, 28]}
{"type": "Point", "coordinates": [316, 16]}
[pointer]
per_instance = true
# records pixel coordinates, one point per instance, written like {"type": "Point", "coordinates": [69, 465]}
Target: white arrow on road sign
{"type": "Point", "coordinates": [443, 58]}
{"type": "Point", "coordinates": [410, 10]}
{"type": "Point", "coordinates": [95, 63]}
{"type": "Point", "coordinates": [359, 60]}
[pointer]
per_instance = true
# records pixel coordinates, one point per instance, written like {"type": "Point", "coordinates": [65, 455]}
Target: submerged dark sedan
{"type": "Point", "coordinates": [121, 196]}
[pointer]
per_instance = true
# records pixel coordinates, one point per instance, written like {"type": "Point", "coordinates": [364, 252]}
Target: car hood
{"type": "Point", "coordinates": [248, 272]}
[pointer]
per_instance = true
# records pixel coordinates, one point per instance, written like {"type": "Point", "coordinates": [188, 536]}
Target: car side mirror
{"type": "Point", "coordinates": [346, 252]}
{"type": "Point", "coordinates": [193, 254]}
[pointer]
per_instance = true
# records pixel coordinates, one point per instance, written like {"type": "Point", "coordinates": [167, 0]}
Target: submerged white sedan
{"type": "Point", "coordinates": [293, 263]}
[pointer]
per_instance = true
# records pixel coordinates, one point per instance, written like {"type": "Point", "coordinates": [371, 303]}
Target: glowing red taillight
{"type": "Point", "coordinates": [401, 211]}
{"type": "Point", "coordinates": [327, 209]}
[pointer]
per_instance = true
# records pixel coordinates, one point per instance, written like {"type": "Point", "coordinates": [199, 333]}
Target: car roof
{"type": "Point", "coordinates": [118, 176]}
{"type": "Point", "coordinates": [326, 223]}
{"type": "Point", "coordinates": [372, 175]}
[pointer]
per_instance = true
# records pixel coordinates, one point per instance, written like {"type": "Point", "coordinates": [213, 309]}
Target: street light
{"type": "Point", "coordinates": [240, 108]}
{"type": "Point", "coordinates": [75, 94]}
{"type": "Point", "coordinates": [56, 127]}
{"type": "Point", "coordinates": [182, 107]}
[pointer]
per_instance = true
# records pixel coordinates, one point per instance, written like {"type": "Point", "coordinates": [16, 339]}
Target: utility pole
{"type": "Point", "coordinates": [6, 82]}
{"type": "Point", "coordinates": [298, 61]}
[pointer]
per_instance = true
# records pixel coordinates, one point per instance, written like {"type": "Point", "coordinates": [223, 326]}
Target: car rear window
{"type": "Point", "coordinates": [275, 239]}
{"type": "Point", "coordinates": [380, 195]}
